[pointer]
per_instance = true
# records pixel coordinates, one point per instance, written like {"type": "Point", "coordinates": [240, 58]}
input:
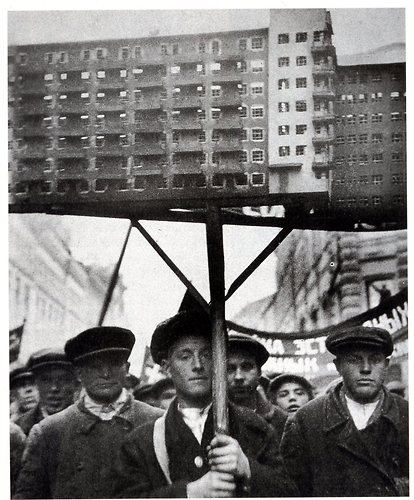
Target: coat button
{"type": "Point", "coordinates": [198, 461]}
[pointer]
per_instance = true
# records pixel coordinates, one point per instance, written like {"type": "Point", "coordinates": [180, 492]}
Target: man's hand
{"type": "Point", "coordinates": [225, 455]}
{"type": "Point", "coordinates": [214, 484]}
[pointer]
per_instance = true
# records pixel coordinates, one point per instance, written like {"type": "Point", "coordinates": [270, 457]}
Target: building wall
{"type": "Point", "coordinates": [50, 291]}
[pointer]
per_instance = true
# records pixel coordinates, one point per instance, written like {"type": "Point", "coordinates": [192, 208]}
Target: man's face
{"type": "Point", "coordinates": [290, 397]}
{"type": "Point", "coordinates": [56, 387]}
{"type": "Point", "coordinates": [189, 364]}
{"type": "Point", "coordinates": [27, 396]}
{"type": "Point", "coordinates": [243, 376]}
{"type": "Point", "coordinates": [103, 376]}
{"type": "Point", "coordinates": [363, 372]}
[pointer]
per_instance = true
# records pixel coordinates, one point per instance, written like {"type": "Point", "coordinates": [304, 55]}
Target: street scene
{"type": "Point", "coordinates": [208, 264]}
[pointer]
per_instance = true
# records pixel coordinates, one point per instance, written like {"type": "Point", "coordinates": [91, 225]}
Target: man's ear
{"type": "Point", "coordinates": [127, 365]}
{"type": "Point", "coordinates": [165, 365]}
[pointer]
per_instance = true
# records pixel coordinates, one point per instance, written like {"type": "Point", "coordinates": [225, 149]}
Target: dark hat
{"type": "Point", "coordinates": [142, 391]}
{"type": "Point", "coordinates": [278, 381]}
{"type": "Point", "coordinates": [376, 338]}
{"type": "Point", "coordinates": [161, 385]}
{"type": "Point", "coordinates": [48, 358]}
{"type": "Point", "coordinates": [182, 324]}
{"type": "Point", "coordinates": [98, 340]}
{"type": "Point", "coordinates": [19, 376]}
{"type": "Point", "coordinates": [250, 344]}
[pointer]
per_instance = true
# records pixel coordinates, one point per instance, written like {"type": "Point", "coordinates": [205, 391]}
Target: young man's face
{"type": "Point", "coordinates": [103, 376]}
{"type": "Point", "coordinates": [363, 372]}
{"type": "Point", "coordinates": [243, 376]}
{"type": "Point", "coordinates": [290, 397]}
{"type": "Point", "coordinates": [189, 364]}
{"type": "Point", "coordinates": [26, 395]}
{"type": "Point", "coordinates": [56, 387]}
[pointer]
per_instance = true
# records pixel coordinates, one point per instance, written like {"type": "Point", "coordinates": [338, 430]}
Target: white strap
{"type": "Point", "coordinates": [160, 447]}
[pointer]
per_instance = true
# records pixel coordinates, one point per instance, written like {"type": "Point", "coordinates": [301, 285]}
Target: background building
{"type": "Point", "coordinates": [54, 295]}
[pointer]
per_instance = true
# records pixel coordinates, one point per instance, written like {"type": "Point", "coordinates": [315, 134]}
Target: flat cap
{"type": "Point", "coordinates": [250, 344]}
{"type": "Point", "coordinates": [182, 324]}
{"type": "Point", "coordinates": [99, 340]}
{"type": "Point", "coordinates": [360, 336]}
{"type": "Point", "coordinates": [19, 376]}
{"type": "Point", "coordinates": [48, 358]}
{"type": "Point", "coordinates": [278, 381]}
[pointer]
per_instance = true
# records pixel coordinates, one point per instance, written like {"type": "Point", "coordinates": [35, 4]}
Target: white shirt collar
{"type": "Point", "coordinates": [360, 413]}
{"type": "Point", "coordinates": [106, 411]}
{"type": "Point", "coordinates": [195, 419]}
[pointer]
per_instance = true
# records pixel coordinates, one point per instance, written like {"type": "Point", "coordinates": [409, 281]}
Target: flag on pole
{"type": "Point", "coordinates": [15, 340]}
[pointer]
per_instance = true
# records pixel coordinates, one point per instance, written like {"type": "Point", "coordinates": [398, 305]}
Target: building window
{"type": "Point", "coordinates": [164, 49]}
{"type": "Point", "coordinates": [175, 49]}
{"type": "Point", "coordinates": [124, 53]}
{"type": "Point", "coordinates": [123, 73]}
{"type": "Point", "coordinates": [284, 129]}
{"type": "Point", "coordinates": [396, 137]}
{"type": "Point", "coordinates": [22, 58]}
{"type": "Point", "coordinates": [215, 157]}
{"type": "Point", "coordinates": [215, 135]}
{"type": "Point", "coordinates": [175, 70]}
{"type": "Point", "coordinates": [49, 77]}
{"type": "Point", "coordinates": [351, 139]}
{"type": "Point", "coordinates": [396, 157]}
{"type": "Point", "coordinates": [137, 72]}
{"type": "Point", "coordinates": [395, 96]}
{"type": "Point", "coordinates": [301, 83]}
{"type": "Point", "coordinates": [202, 47]}
{"type": "Point", "coordinates": [49, 57]}
{"type": "Point", "coordinates": [175, 137]}
{"type": "Point", "coordinates": [363, 159]}
{"type": "Point", "coordinates": [350, 98]}
{"type": "Point", "coordinates": [363, 179]}
{"type": "Point", "coordinates": [363, 118]}
{"type": "Point", "coordinates": [215, 90]}
{"type": "Point", "coordinates": [258, 179]}
{"type": "Point", "coordinates": [201, 69]}
{"type": "Point", "coordinates": [376, 117]}
{"type": "Point", "coordinates": [340, 139]}
{"type": "Point", "coordinates": [63, 57]}
{"type": "Point", "coordinates": [396, 116]}
{"type": "Point", "coordinates": [376, 138]}
{"type": "Point", "coordinates": [244, 134]}
{"type": "Point", "coordinates": [257, 134]}
{"type": "Point", "coordinates": [352, 78]}
{"type": "Point", "coordinates": [215, 47]}
{"type": "Point", "coordinates": [201, 114]}
{"type": "Point", "coordinates": [301, 61]}
{"type": "Point", "coordinates": [301, 129]}
{"type": "Point", "coordinates": [243, 44]}
{"type": "Point", "coordinates": [377, 179]}
{"type": "Point", "coordinates": [242, 66]}
{"type": "Point", "coordinates": [257, 111]}
{"type": "Point", "coordinates": [85, 75]}
{"type": "Point", "coordinates": [352, 159]}
{"type": "Point", "coordinates": [300, 150]}
{"type": "Point", "coordinates": [257, 43]}
{"type": "Point", "coordinates": [284, 150]}
{"type": "Point", "coordinates": [363, 98]}
{"type": "Point", "coordinates": [283, 83]}
{"type": "Point", "coordinates": [257, 156]}
{"type": "Point", "coordinates": [100, 53]}
{"type": "Point", "coordinates": [300, 106]}
{"type": "Point", "coordinates": [100, 141]}
{"type": "Point", "coordinates": [202, 136]}
{"type": "Point", "coordinates": [257, 66]}
{"type": "Point", "coordinates": [243, 156]}
{"type": "Point", "coordinates": [377, 77]}
{"type": "Point", "coordinates": [301, 37]}
{"type": "Point", "coordinates": [175, 115]}
{"type": "Point", "coordinates": [363, 138]}
{"type": "Point", "coordinates": [138, 52]}
{"type": "Point", "coordinates": [215, 67]}
{"type": "Point", "coordinates": [397, 179]}
{"type": "Point", "coordinates": [377, 200]}
{"type": "Point", "coordinates": [377, 158]}
{"type": "Point", "coordinates": [123, 95]}
{"type": "Point", "coordinates": [318, 36]}
{"type": "Point", "coordinates": [100, 74]}
{"type": "Point", "coordinates": [376, 97]}
{"type": "Point", "coordinates": [242, 88]}
{"type": "Point", "coordinates": [339, 161]}
{"type": "Point", "coordinates": [215, 113]}
{"type": "Point", "coordinates": [256, 89]}
{"type": "Point", "coordinates": [283, 107]}
{"type": "Point", "coordinates": [243, 111]}
{"type": "Point", "coordinates": [123, 140]}
{"type": "Point", "coordinates": [283, 62]}
{"type": "Point", "coordinates": [283, 38]}
{"type": "Point", "coordinates": [201, 91]}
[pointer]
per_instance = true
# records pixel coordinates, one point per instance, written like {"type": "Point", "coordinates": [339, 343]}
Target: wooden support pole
{"type": "Point", "coordinates": [271, 247]}
{"type": "Point", "coordinates": [114, 279]}
{"type": "Point", "coordinates": [215, 252]}
{"type": "Point", "coordinates": [190, 287]}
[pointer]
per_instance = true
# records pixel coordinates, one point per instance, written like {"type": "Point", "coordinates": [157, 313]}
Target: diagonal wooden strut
{"type": "Point", "coordinates": [180, 275]}
{"type": "Point", "coordinates": [271, 247]}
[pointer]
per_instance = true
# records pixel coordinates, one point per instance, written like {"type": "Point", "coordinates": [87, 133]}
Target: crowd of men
{"type": "Point", "coordinates": [80, 429]}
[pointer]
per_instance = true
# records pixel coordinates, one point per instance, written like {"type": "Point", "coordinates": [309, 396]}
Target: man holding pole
{"type": "Point", "coordinates": [180, 455]}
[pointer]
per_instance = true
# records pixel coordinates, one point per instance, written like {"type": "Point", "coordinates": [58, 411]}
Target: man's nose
{"type": "Point", "coordinates": [365, 366]}
{"type": "Point", "coordinates": [292, 397]}
{"type": "Point", "coordinates": [197, 363]}
{"type": "Point", "coordinates": [238, 374]}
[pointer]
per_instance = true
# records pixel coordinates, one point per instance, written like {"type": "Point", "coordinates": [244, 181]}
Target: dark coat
{"type": "Point", "coordinates": [139, 473]}
{"type": "Point", "coordinates": [29, 419]}
{"type": "Point", "coordinates": [327, 456]}
{"type": "Point", "coordinates": [70, 454]}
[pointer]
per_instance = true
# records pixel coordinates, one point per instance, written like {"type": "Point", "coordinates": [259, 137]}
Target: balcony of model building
{"type": "Point", "coordinates": [72, 146]}
{"type": "Point", "coordinates": [226, 71]}
{"type": "Point", "coordinates": [147, 99]}
{"type": "Point", "coordinates": [149, 146]}
{"type": "Point", "coordinates": [72, 124]}
{"type": "Point", "coordinates": [32, 147]}
{"type": "Point", "coordinates": [323, 88]}
{"type": "Point", "coordinates": [323, 160]}
{"type": "Point", "coordinates": [226, 119]}
{"type": "Point", "coordinates": [222, 141]}
{"type": "Point", "coordinates": [188, 144]}
{"type": "Point", "coordinates": [30, 83]}
{"type": "Point", "coordinates": [323, 45]}
{"type": "Point", "coordinates": [33, 187]}
{"type": "Point", "coordinates": [187, 73]}
{"type": "Point", "coordinates": [75, 101]}
{"type": "Point", "coordinates": [323, 135]}
{"type": "Point", "coordinates": [33, 104]}
{"type": "Point", "coordinates": [149, 181]}
{"type": "Point", "coordinates": [112, 100]}
{"type": "Point", "coordinates": [35, 125]}
{"type": "Point", "coordinates": [323, 66]}
{"type": "Point", "coordinates": [191, 120]}
{"type": "Point", "coordinates": [111, 165]}
{"type": "Point", "coordinates": [71, 166]}
{"type": "Point", "coordinates": [148, 76]}
{"type": "Point", "coordinates": [31, 168]}
{"type": "Point", "coordinates": [111, 78]}
{"type": "Point", "coordinates": [187, 96]}
{"type": "Point", "coordinates": [148, 164]}
{"type": "Point", "coordinates": [149, 125]}
{"type": "Point", "coordinates": [226, 96]}
{"type": "Point", "coordinates": [226, 161]}
{"type": "Point", "coordinates": [324, 114]}
{"type": "Point", "coordinates": [111, 123]}
{"type": "Point", "coordinates": [73, 81]}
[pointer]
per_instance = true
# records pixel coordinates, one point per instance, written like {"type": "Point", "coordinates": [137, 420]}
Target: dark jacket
{"type": "Point", "coordinates": [30, 418]}
{"type": "Point", "coordinates": [327, 456]}
{"type": "Point", "coordinates": [273, 416]}
{"type": "Point", "coordinates": [139, 473]}
{"type": "Point", "coordinates": [17, 444]}
{"type": "Point", "coordinates": [70, 454]}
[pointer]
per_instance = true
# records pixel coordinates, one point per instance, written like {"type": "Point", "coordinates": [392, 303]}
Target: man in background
{"type": "Point", "coordinates": [23, 392]}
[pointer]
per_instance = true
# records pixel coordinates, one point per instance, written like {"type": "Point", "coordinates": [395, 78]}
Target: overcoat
{"type": "Point", "coordinates": [30, 418]}
{"type": "Point", "coordinates": [327, 456]}
{"type": "Point", "coordinates": [139, 473]}
{"type": "Point", "coordinates": [70, 454]}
